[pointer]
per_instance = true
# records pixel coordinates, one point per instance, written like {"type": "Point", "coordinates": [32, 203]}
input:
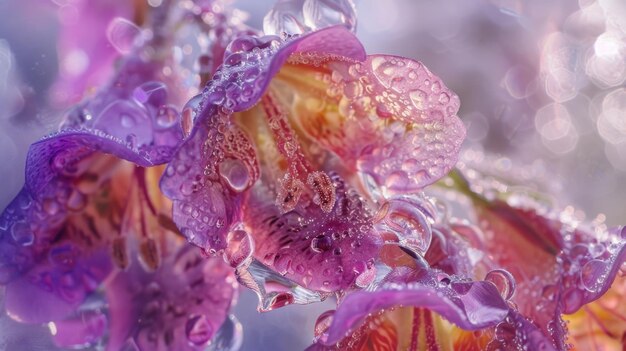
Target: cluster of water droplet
{"type": "Point", "coordinates": [409, 115]}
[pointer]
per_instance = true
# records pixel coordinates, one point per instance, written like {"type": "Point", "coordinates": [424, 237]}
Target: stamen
{"type": "Point", "coordinates": [415, 329]}
{"type": "Point", "coordinates": [324, 190]}
{"type": "Point", "coordinates": [300, 170]}
{"type": "Point", "coordinates": [149, 254]}
{"type": "Point", "coordinates": [119, 252]}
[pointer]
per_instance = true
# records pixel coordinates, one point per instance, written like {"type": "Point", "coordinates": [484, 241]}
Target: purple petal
{"type": "Point", "coordinates": [83, 329]}
{"type": "Point", "coordinates": [243, 78]}
{"type": "Point", "coordinates": [204, 187]}
{"type": "Point", "coordinates": [53, 288]}
{"type": "Point", "coordinates": [470, 305]}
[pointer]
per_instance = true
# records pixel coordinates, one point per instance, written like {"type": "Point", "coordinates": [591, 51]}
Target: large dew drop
{"type": "Point", "coordinates": [322, 324]}
{"type": "Point", "coordinates": [591, 275]}
{"type": "Point", "coordinates": [235, 174]}
{"type": "Point", "coordinates": [404, 219]}
{"type": "Point", "coordinates": [325, 13]}
{"type": "Point", "coordinates": [503, 281]}
{"type": "Point", "coordinates": [284, 18]}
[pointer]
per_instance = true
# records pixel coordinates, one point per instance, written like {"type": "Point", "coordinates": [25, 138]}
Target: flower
{"type": "Point", "coordinates": [83, 195]}
{"type": "Point", "coordinates": [285, 128]}
{"type": "Point", "coordinates": [90, 220]}
{"type": "Point", "coordinates": [432, 301]}
{"type": "Point", "coordinates": [470, 305]}
{"type": "Point", "coordinates": [560, 263]}
{"type": "Point", "coordinates": [180, 306]}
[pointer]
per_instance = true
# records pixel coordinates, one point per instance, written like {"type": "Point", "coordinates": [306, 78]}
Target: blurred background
{"type": "Point", "coordinates": [542, 88]}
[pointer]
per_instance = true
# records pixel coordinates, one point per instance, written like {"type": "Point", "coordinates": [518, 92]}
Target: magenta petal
{"type": "Point", "coordinates": [470, 305]}
{"type": "Point", "coordinates": [405, 92]}
{"type": "Point", "coordinates": [318, 250]}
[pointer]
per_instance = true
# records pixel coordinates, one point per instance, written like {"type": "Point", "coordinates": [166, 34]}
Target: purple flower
{"type": "Point", "coordinates": [81, 193]}
{"type": "Point", "coordinates": [285, 127]}
{"type": "Point", "coordinates": [180, 306]}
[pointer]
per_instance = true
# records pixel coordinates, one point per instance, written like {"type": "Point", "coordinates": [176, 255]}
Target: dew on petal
{"type": "Point", "coordinates": [503, 281]}
{"type": "Point", "coordinates": [235, 173]}
{"type": "Point", "coordinates": [591, 274]}
{"type": "Point", "coordinates": [22, 234]}
{"type": "Point", "coordinates": [405, 219]}
{"type": "Point", "coordinates": [322, 324]}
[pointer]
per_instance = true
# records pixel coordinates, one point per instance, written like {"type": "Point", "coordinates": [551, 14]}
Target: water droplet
{"type": "Point", "coordinates": [280, 300]}
{"type": "Point", "coordinates": [239, 249]}
{"type": "Point", "coordinates": [283, 18]}
{"type": "Point", "coordinates": [22, 234]}
{"type": "Point", "coordinates": [444, 279]}
{"type": "Point", "coordinates": [50, 206]}
{"type": "Point", "coordinates": [444, 98]}
{"type": "Point", "coordinates": [591, 274]}
{"type": "Point", "coordinates": [127, 121]}
{"type": "Point", "coordinates": [167, 117]}
{"type": "Point", "coordinates": [189, 113]}
{"type": "Point", "coordinates": [321, 243]}
{"type": "Point", "coordinates": [235, 174]}
{"type": "Point", "coordinates": [503, 281]}
{"type": "Point", "coordinates": [199, 330]}
{"type": "Point", "coordinates": [77, 201]}
{"type": "Point", "coordinates": [322, 324]}
{"type": "Point", "coordinates": [324, 13]}
{"type": "Point", "coordinates": [123, 34]}
{"type": "Point", "coordinates": [418, 98]}
{"type": "Point", "coordinates": [408, 223]}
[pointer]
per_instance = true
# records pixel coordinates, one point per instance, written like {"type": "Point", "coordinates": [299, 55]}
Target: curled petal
{"type": "Point", "coordinates": [243, 78]}
{"type": "Point", "coordinates": [470, 305]}
{"type": "Point", "coordinates": [559, 264]}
